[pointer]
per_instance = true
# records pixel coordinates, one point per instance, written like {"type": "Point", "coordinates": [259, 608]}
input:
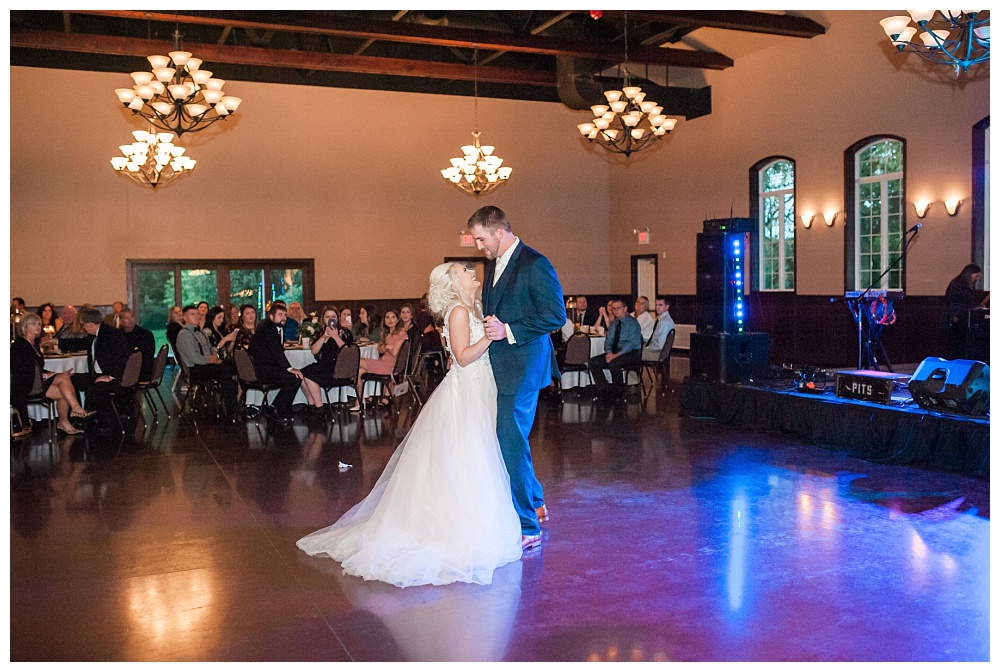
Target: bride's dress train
{"type": "Point", "coordinates": [441, 511]}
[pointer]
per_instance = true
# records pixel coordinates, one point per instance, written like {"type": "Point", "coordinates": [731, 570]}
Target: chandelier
{"type": "Point", "coordinates": [629, 122]}
{"type": "Point", "coordinates": [152, 159]}
{"type": "Point", "coordinates": [177, 95]}
{"type": "Point", "coordinates": [952, 37]}
{"type": "Point", "coordinates": [478, 170]}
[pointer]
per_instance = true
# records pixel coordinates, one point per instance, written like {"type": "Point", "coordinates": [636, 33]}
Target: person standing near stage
{"type": "Point", "coordinates": [960, 299]}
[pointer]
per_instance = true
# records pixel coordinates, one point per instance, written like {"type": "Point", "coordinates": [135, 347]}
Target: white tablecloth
{"type": "Point", "coordinates": [572, 379]}
{"type": "Point", "coordinates": [301, 358]}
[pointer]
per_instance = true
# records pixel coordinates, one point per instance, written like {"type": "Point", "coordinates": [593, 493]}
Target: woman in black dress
{"type": "Point", "coordinates": [960, 298]}
{"type": "Point", "coordinates": [319, 375]}
{"type": "Point", "coordinates": [26, 362]}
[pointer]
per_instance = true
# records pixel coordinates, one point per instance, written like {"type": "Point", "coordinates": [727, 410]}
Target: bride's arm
{"type": "Point", "coordinates": [459, 334]}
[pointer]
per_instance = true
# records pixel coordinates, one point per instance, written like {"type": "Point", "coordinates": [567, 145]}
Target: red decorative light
{"type": "Point", "coordinates": [595, 14]}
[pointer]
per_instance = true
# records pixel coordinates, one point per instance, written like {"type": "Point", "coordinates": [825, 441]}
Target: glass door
{"type": "Point", "coordinates": [246, 287]}
{"type": "Point", "coordinates": [155, 297]}
{"type": "Point", "coordinates": [197, 285]}
{"type": "Point", "coordinates": [285, 285]}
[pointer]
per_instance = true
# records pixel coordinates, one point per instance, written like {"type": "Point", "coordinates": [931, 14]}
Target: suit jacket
{"type": "Point", "coordinates": [266, 350]}
{"type": "Point", "coordinates": [529, 300]}
{"type": "Point", "coordinates": [111, 352]}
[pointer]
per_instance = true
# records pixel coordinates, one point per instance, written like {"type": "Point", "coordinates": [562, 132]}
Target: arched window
{"type": "Point", "coordinates": [772, 203]}
{"type": "Point", "coordinates": [876, 214]}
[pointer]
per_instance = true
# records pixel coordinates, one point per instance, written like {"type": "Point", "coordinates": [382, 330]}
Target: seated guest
{"type": "Point", "coordinates": [215, 331]}
{"type": "Point", "coordinates": [430, 339]}
{"type": "Point", "coordinates": [319, 375]}
{"type": "Point", "coordinates": [272, 366]}
{"type": "Point", "coordinates": [17, 305]}
{"type": "Point", "coordinates": [346, 329]}
{"type": "Point", "coordinates": [51, 323]}
{"type": "Point", "coordinates": [642, 316]}
{"type": "Point", "coordinates": [412, 333]}
{"type": "Point", "coordinates": [74, 338]}
{"type": "Point", "coordinates": [202, 313]}
{"type": "Point", "coordinates": [622, 347]}
{"type": "Point", "coordinates": [67, 316]}
{"type": "Point", "coordinates": [367, 326]}
{"type": "Point", "coordinates": [202, 361]}
{"type": "Point", "coordinates": [26, 362]}
{"type": "Point", "coordinates": [661, 327]}
{"type": "Point", "coordinates": [393, 337]}
{"type": "Point", "coordinates": [232, 317]}
{"type": "Point", "coordinates": [293, 319]}
{"type": "Point", "coordinates": [139, 339]}
{"type": "Point", "coordinates": [586, 315]}
{"type": "Point", "coordinates": [605, 316]}
{"type": "Point", "coordinates": [247, 327]}
{"type": "Point", "coordinates": [175, 322]}
{"type": "Point", "coordinates": [106, 359]}
{"type": "Point", "coordinates": [114, 318]}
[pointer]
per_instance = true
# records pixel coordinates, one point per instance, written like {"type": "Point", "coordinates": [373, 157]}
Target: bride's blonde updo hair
{"type": "Point", "coordinates": [446, 291]}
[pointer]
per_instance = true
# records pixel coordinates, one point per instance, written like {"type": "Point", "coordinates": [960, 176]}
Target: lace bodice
{"type": "Point", "coordinates": [476, 332]}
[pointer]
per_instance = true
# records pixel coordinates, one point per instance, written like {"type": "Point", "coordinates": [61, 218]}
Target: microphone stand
{"type": "Point", "coordinates": [856, 308]}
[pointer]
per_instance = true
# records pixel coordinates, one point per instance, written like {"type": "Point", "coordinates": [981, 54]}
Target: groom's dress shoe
{"type": "Point", "coordinates": [543, 514]}
{"type": "Point", "coordinates": [530, 541]}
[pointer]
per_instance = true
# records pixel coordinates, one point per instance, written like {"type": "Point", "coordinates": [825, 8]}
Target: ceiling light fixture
{"type": "Point", "coordinates": [479, 169]}
{"type": "Point", "coordinates": [959, 38]}
{"type": "Point", "coordinates": [177, 95]}
{"type": "Point", "coordinates": [628, 123]}
{"type": "Point", "coordinates": [152, 160]}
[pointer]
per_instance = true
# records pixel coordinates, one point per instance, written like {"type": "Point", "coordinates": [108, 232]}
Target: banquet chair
{"type": "Point", "coordinates": [661, 367]}
{"type": "Point", "coordinates": [577, 357]}
{"type": "Point", "coordinates": [127, 387]}
{"type": "Point", "coordinates": [147, 387]}
{"type": "Point", "coordinates": [345, 372]}
{"type": "Point", "coordinates": [198, 391]}
{"type": "Point", "coordinates": [389, 380]}
{"type": "Point", "coordinates": [38, 398]}
{"type": "Point", "coordinates": [247, 375]}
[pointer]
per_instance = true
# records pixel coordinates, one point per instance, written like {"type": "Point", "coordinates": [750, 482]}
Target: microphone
{"type": "Point", "coordinates": [916, 227]}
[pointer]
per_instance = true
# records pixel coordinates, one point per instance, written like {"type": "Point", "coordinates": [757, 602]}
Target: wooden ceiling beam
{"type": "Point", "coordinates": [752, 22]}
{"type": "Point", "coordinates": [277, 58]}
{"type": "Point", "coordinates": [414, 33]}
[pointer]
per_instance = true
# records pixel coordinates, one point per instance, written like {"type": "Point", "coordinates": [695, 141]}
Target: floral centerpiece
{"type": "Point", "coordinates": [309, 327]}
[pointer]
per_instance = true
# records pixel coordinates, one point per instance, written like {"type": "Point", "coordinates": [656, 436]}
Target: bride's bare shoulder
{"type": "Point", "coordinates": [458, 312]}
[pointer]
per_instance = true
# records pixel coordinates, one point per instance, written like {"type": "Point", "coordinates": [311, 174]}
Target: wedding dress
{"type": "Point", "coordinates": [441, 511]}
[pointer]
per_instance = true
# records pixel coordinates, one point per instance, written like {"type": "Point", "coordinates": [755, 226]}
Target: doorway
{"type": "Point", "coordinates": [645, 277]}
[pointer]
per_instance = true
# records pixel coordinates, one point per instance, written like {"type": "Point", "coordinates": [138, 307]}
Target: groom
{"type": "Point", "coordinates": [523, 302]}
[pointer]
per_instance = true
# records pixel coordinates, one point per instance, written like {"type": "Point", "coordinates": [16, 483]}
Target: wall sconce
{"type": "Point", "coordinates": [952, 206]}
{"type": "Point", "coordinates": [830, 217]}
{"type": "Point", "coordinates": [920, 207]}
{"type": "Point", "coordinates": [807, 220]}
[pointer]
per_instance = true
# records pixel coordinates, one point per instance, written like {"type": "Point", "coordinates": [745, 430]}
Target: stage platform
{"type": "Point", "coordinates": [896, 433]}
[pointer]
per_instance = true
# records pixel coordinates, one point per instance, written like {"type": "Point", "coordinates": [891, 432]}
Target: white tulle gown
{"type": "Point", "coordinates": [441, 511]}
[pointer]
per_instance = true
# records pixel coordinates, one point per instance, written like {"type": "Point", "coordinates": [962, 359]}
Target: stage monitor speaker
{"type": "Point", "coordinates": [955, 386]}
{"type": "Point", "coordinates": [719, 281]}
{"type": "Point", "coordinates": [730, 358]}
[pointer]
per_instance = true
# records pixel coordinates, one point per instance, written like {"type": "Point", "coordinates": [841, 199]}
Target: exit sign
{"type": "Point", "coordinates": [644, 237]}
{"type": "Point", "coordinates": [466, 240]}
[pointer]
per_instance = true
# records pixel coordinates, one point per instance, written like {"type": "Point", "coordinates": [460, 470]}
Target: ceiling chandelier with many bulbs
{"type": "Point", "coordinates": [152, 160]}
{"type": "Point", "coordinates": [954, 37]}
{"type": "Point", "coordinates": [628, 123]}
{"type": "Point", "coordinates": [177, 95]}
{"type": "Point", "coordinates": [479, 170]}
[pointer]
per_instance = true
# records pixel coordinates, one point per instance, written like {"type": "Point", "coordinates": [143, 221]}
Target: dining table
{"type": "Point", "coordinates": [299, 357]}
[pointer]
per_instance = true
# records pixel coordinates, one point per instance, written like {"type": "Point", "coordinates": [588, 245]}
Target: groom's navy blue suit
{"type": "Point", "coordinates": [529, 300]}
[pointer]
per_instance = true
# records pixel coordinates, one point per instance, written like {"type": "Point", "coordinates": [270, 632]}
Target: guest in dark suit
{"type": "Point", "coordinates": [622, 348]}
{"type": "Point", "coordinates": [271, 365]}
{"type": "Point", "coordinates": [139, 339]}
{"type": "Point", "coordinates": [586, 315]}
{"type": "Point", "coordinates": [523, 304]}
{"type": "Point", "coordinates": [106, 360]}
{"type": "Point", "coordinates": [27, 365]}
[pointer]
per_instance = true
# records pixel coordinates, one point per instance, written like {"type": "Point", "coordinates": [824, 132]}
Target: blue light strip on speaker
{"type": "Point", "coordinates": [738, 283]}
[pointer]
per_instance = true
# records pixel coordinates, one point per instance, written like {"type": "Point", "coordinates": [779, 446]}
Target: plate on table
{"type": "Point", "coordinates": [292, 346]}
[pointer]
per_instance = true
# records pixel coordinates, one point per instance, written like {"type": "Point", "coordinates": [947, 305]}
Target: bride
{"type": "Point", "coordinates": [441, 511]}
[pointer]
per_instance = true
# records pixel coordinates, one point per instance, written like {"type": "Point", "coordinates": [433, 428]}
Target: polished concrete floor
{"type": "Point", "coordinates": [670, 540]}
